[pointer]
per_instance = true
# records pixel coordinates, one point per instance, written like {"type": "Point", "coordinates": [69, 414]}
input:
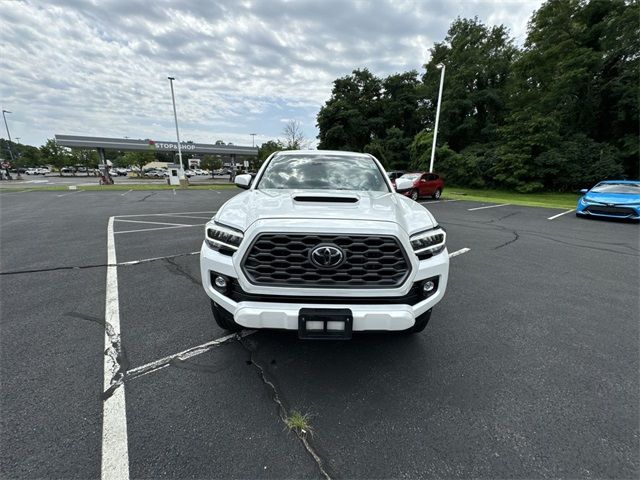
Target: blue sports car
{"type": "Point", "coordinates": [611, 199]}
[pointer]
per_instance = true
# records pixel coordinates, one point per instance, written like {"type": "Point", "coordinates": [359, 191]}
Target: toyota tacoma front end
{"type": "Point", "coordinates": [320, 243]}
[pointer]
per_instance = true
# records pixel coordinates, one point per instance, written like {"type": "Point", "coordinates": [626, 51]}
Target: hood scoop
{"type": "Point", "coordinates": [324, 199]}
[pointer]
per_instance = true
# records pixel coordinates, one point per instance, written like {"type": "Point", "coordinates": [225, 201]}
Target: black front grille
{"type": "Point", "coordinates": [237, 294]}
{"type": "Point", "coordinates": [282, 259]}
{"type": "Point", "coordinates": [606, 210]}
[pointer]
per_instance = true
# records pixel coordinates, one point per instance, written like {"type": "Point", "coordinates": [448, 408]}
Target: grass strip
{"type": "Point", "coordinates": [547, 200]}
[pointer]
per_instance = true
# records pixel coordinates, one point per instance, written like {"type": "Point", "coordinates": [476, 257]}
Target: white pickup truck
{"type": "Point", "coordinates": [321, 243]}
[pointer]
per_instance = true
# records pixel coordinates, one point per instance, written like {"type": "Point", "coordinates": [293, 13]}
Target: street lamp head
{"type": "Point", "coordinates": [171, 78]}
{"type": "Point", "coordinates": [439, 66]}
{"type": "Point", "coordinates": [6, 111]}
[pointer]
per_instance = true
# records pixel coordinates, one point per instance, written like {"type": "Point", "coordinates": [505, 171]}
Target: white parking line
{"type": "Point", "coordinates": [488, 206]}
{"type": "Point", "coordinates": [70, 193]}
{"type": "Point", "coordinates": [439, 201]}
{"type": "Point", "coordinates": [160, 214]}
{"type": "Point", "coordinates": [459, 252]}
{"type": "Point", "coordinates": [185, 216]}
{"type": "Point", "coordinates": [115, 452]}
{"type": "Point", "coordinates": [185, 354]}
{"type": "Point", "coordinates": [153, 259]}
{"type": "Point", "coordinates": [154, 223]}
{"type": "Point", "coordinates": [159, 228]}
{"type": "Point", "coordinates": [560, 214]}
{"type": "Point", "coordinates": [123, 194]}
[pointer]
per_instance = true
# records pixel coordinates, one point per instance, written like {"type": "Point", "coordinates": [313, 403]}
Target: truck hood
{"type": "Point", "coordinates": [244, 209]}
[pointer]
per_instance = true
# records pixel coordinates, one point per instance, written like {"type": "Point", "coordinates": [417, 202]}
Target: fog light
{"type": "Point", "coordinates": [220, 282]}
{"type": "Point", "coordinates": [428, 286]}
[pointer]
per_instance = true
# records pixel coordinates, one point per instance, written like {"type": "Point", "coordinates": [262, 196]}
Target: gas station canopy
{"type": "Point", "coordinates": [128, 144]}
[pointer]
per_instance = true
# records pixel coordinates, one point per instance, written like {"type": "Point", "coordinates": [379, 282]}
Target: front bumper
{"type": "Point", "coordinates": [628, 212]}
{"type": "Point", "coordinates": [371, 310]}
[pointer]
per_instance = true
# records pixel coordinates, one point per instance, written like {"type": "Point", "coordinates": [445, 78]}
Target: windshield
{"type": "Point", "coordinates": [617, 188]}
{"type": "Point", "coordinates": [323, 172]}
{"type": "Point", "coordinates": [410, 176]}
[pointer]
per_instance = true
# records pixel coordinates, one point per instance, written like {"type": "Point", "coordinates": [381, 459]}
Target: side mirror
{"type": "Point", "coordinates": [403, 184]}
{"type": "Point", "coordinates": [243, 181]}
{"type": "Point", "coordinates": [583, 191]}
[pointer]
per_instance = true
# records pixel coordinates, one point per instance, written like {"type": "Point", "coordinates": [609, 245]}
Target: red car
{"type": "Point", "coordinates": [424, 185]}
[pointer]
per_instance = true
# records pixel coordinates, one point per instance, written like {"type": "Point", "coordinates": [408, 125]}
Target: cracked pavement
{"type": "Point", "coordinates": [528, 367]}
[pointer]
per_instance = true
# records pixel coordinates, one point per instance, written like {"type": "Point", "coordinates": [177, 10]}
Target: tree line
{"type": "Point", "coordinates": [558, 113]}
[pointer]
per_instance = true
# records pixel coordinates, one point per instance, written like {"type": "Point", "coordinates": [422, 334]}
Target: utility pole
{"type": "Point", "coordinates": [435, 130]}
{"type": "Point", "coordinates": [18, 177]}
{"type": "Point", "coordinates": [253, 139]}
{"type": "Point", "coordinates": [175, 117]}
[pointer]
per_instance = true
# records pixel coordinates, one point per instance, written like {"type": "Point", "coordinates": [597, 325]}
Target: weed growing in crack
{"type": "Point", "coordinates": [299, 423]}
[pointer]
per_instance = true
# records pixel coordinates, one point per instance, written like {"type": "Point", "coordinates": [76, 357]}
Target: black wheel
{"type": "Point", "coordinates": [224, 319]}
{"type": "Point", "coordinates": [414, 195]}
{"type": "Point", "coordinates": [421, 322]}
{"type": "Point", "coordinates": [437, 194]}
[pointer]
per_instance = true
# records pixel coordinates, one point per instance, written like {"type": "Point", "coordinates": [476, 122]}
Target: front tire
{"type": "Point", "coordinates": [414, 195]}
{"type": "Point", "coordinates": [224, 319]}
{"type": "Point", "coordinates": [437, 194]}
{"type": "Point", "coordinates": [421, 322]}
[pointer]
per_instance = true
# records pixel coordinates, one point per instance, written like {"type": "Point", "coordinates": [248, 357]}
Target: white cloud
{"type": "Point", "coordinates": [101, 67]}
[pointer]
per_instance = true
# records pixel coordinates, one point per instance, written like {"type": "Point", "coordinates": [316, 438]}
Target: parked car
{"type": "Point", "coordinates": [67, 170]}
{"type": "Point", "coordinates": [393, 175]}
{"type": "Point", "coordinates": [611, 199]}
{"type": "Point", "coordinates": [121, 172]}
{"type": "Point", "coordinates": [423, 185]}
{"type": "Point", "coordinates": [198, 171]}
{"type": "Point", "coordinates": [324, 230]}
{"type": "Point", "coordinates": [153, 173]}
{"type": "Point", "coordinates": [43, 170]}
{"type": "Point", "coordinates": [32, 171]}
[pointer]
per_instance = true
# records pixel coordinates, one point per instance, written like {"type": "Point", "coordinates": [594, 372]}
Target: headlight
{"type": "Point", "coordinates": [584, 201]}
{"type": "Point", "coordinates": [428, 243]}
{"type": "Point", "coordinates": [221, 237]}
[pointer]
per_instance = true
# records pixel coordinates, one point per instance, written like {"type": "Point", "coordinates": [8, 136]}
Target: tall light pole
{"type": "Point", "coordinates": [19, 177]}
{"type": "Point", "coordinates": [435, 130]}
{"type": "Point", "coordinates": [175, 117]}
{"type": "Point", "coordinates": [253, 139]}
{"type": "Point", "coordinates": [18, 139]}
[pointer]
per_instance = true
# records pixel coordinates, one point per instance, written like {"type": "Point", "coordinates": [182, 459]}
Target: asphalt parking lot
{"type": "Point", "coordinates": [528, 368]}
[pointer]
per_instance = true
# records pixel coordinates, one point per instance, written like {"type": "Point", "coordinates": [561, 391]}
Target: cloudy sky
{"type": "Point", "coordinates": [100, 68]}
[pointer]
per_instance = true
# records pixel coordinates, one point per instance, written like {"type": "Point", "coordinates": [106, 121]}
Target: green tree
{"type": "Point", "coordinates": [56, 155]}
{"type": "Point", "coordinates": [138, 159]}
{"type": "Point", "coordinates": [267, 148]}
{"type": "Point", "coordinates": [573, 88]}
{"type": "Point", "coordinates": [353, 115]}
{"type": "Point", "coordinates": [30, 156]}
{"type": "Point", "coordinates": [478, 60]}
{"type": "Point", "coordinates": [211, 163]}
{"type": "Point", "coordinates": [86, 158]}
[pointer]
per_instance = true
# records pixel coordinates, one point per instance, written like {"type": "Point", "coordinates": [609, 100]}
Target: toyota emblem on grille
{"type": "Point", "coordinates": [326, 256]}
